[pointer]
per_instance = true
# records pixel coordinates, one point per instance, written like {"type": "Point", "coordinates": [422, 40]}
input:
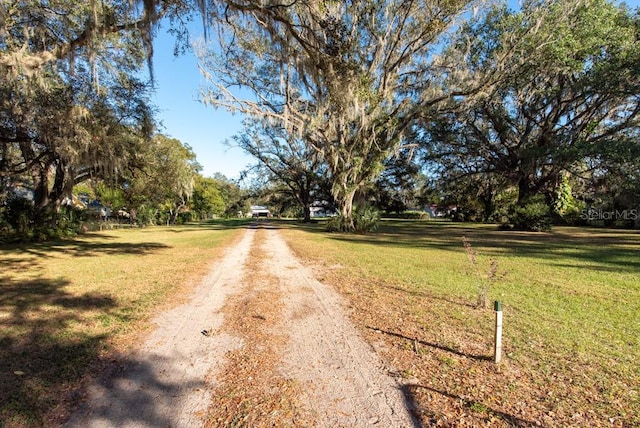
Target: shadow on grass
{"type": "Point", "coordinates": [94, 243]}
{"type": "Point", "coordinates": [18, 263]}
{"type": "Point", "coordinates": [475, 406]}
{"type": "Point", "coordinates": [37, 359]}
{"type": "Point", "coordinates": [226, 224]}
{"type": "Point", "coordinates": [595, 249]}
{"type": "Point", "coordinates": [46, 346]}
{"type": "Point", "coordinates": [80, 248]}
{"type": "Point", "coordinates": [433, 345]}
{"type": "Point", "coordinates": [431, 296]}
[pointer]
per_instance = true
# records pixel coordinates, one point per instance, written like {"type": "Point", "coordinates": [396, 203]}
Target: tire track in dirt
{"type": "Point", "coordinates": [251, 391]}
{"type": "Point", "coordinates": [167, 381]}
{"type": "Point", "coordinates": [343, 379]}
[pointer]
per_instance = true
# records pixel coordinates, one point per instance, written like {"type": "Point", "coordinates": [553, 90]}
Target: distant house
{"type": "Point", "coordinates": [260, 211]}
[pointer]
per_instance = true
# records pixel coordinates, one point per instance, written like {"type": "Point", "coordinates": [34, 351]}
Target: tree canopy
{"type": "Point", "coordinates": [347, 78]}
{"type": "Point", "coordinates": [74, 102]}
{"type": "Point", "coordinates": [568, 100]}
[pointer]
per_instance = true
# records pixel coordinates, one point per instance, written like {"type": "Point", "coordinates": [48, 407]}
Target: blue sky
{"type": "Point", "coordinates": [185, 118]}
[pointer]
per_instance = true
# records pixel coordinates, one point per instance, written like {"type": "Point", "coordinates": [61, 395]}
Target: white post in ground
{"type": "Point", "coordinates": [497, 350]}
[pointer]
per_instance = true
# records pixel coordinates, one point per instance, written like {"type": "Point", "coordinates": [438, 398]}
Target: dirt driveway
{"type": "Point", "coordinates": [260, 343]}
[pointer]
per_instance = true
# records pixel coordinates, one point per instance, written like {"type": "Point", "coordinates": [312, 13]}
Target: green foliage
{"type": "Point", "coordinates": [163, 179]}
{"type": "Point", "coordinates": [348, 79]}
{"type": "Point", "coordinates": [291, 172]}
{"type": "Point", "coordinates": [18, 215]}
{"type": "Point", "coordinates": [22, 221]}
{"type": "Point", "coordinates": [409, 215]}
{"type": "Point", "coordinates": [561, 93]}
{"type": "Point", "coordinates": [563, 198]}
{"type": "Point", "coordinates": [146, 215]}
{"type": "Point", "coordinates": [84, 189]}
{"type": "Point", "coordinates": [73, 106]}
{"type": "Point", "coordinates": [337, 224]}
{"type": "Point", "coordinates": [235, 198]}
{"type": "Point", "coordinates": [110, 196]}
{"type": "Point", "coordinates": [566, 208]}
{"type": "Point", "coordinates": [548, 87]}
{"type": "Point", "coordinates": [504, 202]}
{"type": "Point", "coordinates": [365, 219]}
{"type": "Point", "coordinates": [70, 221]}
{"type": "Point", "coordinates": [534, 216]}
{"type": "Point", "coordinates": [207, 200]}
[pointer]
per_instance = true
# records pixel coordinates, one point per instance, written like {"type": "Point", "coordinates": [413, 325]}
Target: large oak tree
{"type": "Point", "coordinates": [72, 105]}
{"type": "Point", "coordinates": [568, 97]}
{"type": "Point", "coordinates": [72, 102]}
{"type": "Point", "coordinates": [349, 79]}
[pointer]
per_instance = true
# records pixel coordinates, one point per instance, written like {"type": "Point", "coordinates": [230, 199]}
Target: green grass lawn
{"type": "Point", "coordinates": [571, 305]}
{"type": "Point", "coordinates": [66, 306]}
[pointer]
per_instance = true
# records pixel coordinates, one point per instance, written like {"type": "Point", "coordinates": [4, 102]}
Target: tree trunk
{"type": "Point", "coordinates": [307, 213]}
{"type": "Point", "coordinates": [62, 187]}
{"type": "Point", "coordinates": [488, 206]}
{"type": "Point", "coordinates": [525, 190]}
{"type": "Point", "coordinates": [40, 176]}
{"type": "Point", "coordinates": [344, 201]}
{"type": "Point", "coordinates": [303, 196]}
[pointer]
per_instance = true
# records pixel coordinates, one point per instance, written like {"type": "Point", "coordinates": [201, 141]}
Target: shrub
{"type": "Point", "coordinates": [337, 224]}
{"type": "Point", "coordinates": [146, 216]}
{"type": "Point", "coordinates": [409, 215]}
{"type": "Point", "coordinates": [19, 213]}
{"type": "Point", "coordinates": [186, 217]}
{"type": "Point", "coordinates": [534, 216]}
{"type": "Point", "coordinates": [365, 219]}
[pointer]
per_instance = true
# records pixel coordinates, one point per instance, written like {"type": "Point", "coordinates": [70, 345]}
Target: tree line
{"type": "Point", "coordinates": [521, 116]}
